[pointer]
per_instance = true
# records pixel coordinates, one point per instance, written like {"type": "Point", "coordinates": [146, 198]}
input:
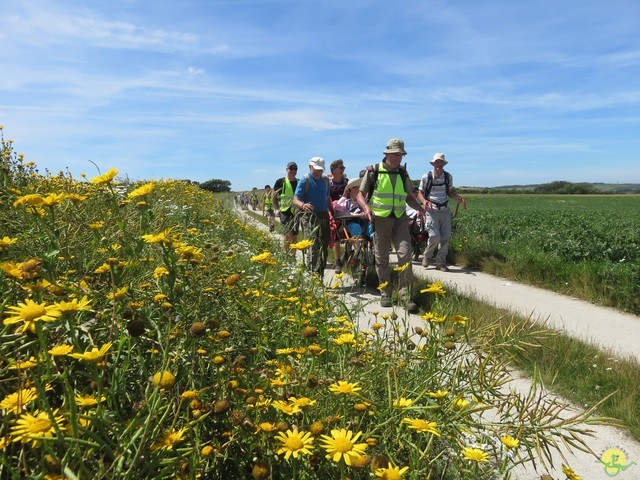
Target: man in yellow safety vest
{"type": "Point", "coordinates": [284, 189]}
{"type": "Point", "coordinates": [387, 187]}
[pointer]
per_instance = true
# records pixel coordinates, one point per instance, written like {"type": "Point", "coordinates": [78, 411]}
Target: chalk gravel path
{"type": "Point", "coordinates": [616, 334]}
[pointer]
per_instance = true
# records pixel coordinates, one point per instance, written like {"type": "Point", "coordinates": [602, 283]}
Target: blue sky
{"type": "Point", "coordinates": [513, 92]}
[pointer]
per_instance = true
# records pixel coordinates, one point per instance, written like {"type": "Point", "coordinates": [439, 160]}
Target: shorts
{"type": "Point", "coordinates": [290, 222]}
{"type": "Point", "coordinates": [269, 212]}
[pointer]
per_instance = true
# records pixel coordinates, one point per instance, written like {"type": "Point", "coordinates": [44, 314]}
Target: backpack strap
{"type": "Point", "coordinates": [307, 185]}
{"type": "Point", "coordinates": [447, 181]}
{"type": "Point", "coordinates": [374, 171]}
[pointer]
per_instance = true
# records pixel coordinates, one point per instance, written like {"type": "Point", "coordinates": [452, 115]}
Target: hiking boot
{"type": "Point", "coordinates": [385, 301]}
{"type": "Point", "coordinates": [442, 268]}
{"type": "Point", "coordinates": [425, 262]}
{"type": "Point", "coordinates": [411, 307]}
{"type": "Point", "coordinates": [338, 266]}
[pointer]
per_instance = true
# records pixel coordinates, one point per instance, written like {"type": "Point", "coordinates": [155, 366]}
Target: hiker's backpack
{"type": "Point", "coordinates": [374, 171]}
{"type": "Point", "coordinates": [427, 190]}
{"type": "Point", "coordinates": [307, 186]}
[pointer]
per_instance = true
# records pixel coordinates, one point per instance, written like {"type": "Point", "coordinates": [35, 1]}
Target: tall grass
{"type": "Point", "coordinates": [149, 333]}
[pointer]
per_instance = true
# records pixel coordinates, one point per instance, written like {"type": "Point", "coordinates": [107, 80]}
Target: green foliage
{"type": "Point", "coordinates": [216, 185]}
{"type": "Point", "coordinates": [586, 246]}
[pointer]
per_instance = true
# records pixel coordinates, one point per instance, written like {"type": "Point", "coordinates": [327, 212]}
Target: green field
{"type": "Point", "coordinates": [586, 246]}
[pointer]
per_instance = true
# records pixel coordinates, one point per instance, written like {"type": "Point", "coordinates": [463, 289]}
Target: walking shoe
{"type": "Point", "coordinates": [442, 268]}
{"type": "Point", "coordinates": [425, 262]}
{"type": "Point", "coordinates": [385, 301]}
{"type": "Point", "coordinates": [338, 266]}
{"type": "Point", "coordinates": [411, 307]}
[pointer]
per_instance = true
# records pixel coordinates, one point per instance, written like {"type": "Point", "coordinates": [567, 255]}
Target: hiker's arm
{"type": "Point", "coordinates": [364, 206]}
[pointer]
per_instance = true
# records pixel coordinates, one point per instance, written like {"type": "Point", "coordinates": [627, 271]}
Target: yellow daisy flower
{"type": "Point", "coordinates": [168, 440]}
{"type": "Point", "coordinates": [6, 241]}
{"type": "Point", "coordinates": [23, 364]}
{"type": "Point", "coordinates": [475, 454]}
{"type": "Point", "coordinates": [422, 426]}
{"type": "Point", "coordinates": [509, 442]}
{"type": "Point", "coordinates": [94, 355]}
{"type": "Point", "coordinates": [264, 258]}
{"type": "Point", "coordinates": [439, 395]}
{"type": "Point", "coordinates": [459, 319]}
{"type": "Point", "coordinates": [402, 268]}
{"type": "Point", "coordinates": [30, 312]}
{"type": "Point", "coordinates": [145, 189]}
{"type": "Point", "coordinates": [341, 445]}
{"type": "Point", "coordinates": [160, 272]}
{"type": "Point", "coordinates": [436, 288]}
{"type": "Point", "coordinates": [105, 177]}
{"type": "Point", "coordinates": [118, 294]}
{"type": "Point", "coordinates": [164, 237]}
{"type": "Point", "coordinates": [301, 245]}
{"type": "Point", "coordinates": [16, 401]}
{"type": "Point", "coordinates": [87, 400]}
{"type": "Point", "coordinates": [61, 350]}
{"type": "Point", "coordinates": [293, 442]}
{"type": "Point", "coordinates": [391, 472]}
{"type": "Point", "coordinates": [32, 428]}
{"type": "Point", "coordinates": [345, 339]}
{"type": "Point", "coordinates": [74, 305]}
{"type": "Point", "coordinates": [344, 388]}
{"type": "Point", "coordinates": [402, 402]}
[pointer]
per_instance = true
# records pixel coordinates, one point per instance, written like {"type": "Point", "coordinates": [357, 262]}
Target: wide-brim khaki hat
{"type": "Point", "coordinates": [353, 183]}
{"type": "Point", "coordinates": [438, 156]}
{"type": "Point", "coordinates": [395, 145]}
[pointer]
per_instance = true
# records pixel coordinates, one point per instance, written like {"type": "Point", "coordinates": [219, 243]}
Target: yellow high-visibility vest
{"type": "Point", "coordinates": [387, 198]}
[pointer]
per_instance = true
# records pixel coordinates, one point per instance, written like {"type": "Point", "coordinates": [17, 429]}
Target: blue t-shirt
{"type": "Point", "coordinates": [317, 192]}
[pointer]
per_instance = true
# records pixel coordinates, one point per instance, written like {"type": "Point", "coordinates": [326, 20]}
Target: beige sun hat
{"type": "Point", "coordinates": [353, 183]}
{"type": "Point", "coordinates": [395, 145]}
{"type": "Point", "coordinates": [438, 156]}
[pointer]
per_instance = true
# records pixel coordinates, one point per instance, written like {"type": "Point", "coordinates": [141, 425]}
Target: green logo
{"type": "Point", "coordinates": [614, 461]}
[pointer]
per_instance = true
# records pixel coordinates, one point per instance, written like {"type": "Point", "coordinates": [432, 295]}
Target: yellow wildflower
{"type": "Point", "coordinates": [94, 355]}
{"type": "Point", "coordinates": [145, 189]}
{"type": "Point", "coordinates": [105, 177]}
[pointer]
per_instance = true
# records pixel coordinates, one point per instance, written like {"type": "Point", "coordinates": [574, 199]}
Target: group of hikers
{"type": "Point", "coordinates": [379, 204]}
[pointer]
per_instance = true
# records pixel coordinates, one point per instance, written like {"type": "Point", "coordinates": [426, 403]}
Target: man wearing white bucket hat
{"type": "Point", "coordinates": [436, 188]}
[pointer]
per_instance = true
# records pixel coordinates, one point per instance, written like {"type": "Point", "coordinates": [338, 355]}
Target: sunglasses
{"type": "Point", "coordinates": [294, 169]}
{"type": "Point", "coordinates": [340, 168]}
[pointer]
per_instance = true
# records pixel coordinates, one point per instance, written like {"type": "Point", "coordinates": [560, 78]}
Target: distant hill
{"type": "Point", "coordinates": [554, 187]}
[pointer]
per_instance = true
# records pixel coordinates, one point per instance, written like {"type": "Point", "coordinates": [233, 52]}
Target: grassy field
{"type": "Point", "coordinates": [584, 246]}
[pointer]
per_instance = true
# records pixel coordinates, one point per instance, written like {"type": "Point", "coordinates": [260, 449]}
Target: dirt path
{"type": "Point", "coordinates": [618, 334]}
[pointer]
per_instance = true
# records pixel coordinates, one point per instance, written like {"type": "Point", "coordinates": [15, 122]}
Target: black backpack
{"type": "Point", "coordinates": [427, 190]}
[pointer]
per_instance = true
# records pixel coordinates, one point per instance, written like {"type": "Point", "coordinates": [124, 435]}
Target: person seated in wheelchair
{"type": "Point", "coordinates": [350, 214]}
